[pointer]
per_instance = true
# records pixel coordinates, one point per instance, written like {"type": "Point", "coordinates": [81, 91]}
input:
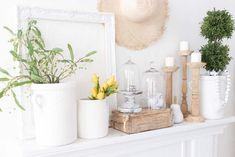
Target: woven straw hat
{"type": "Point", "coordinates": [138, 22]}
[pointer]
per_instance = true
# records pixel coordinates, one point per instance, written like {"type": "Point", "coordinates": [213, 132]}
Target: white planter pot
{"type": "Point", "coordinates": [55, 113]}
{"type": "Point", "coordinates": [214, 96]}
{"type": "Point", "coordinates": [93, 118]}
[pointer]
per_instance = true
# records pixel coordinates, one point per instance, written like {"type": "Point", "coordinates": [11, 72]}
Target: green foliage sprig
{"type": "Point", "coordinates": [40, 65]}
{"type": "Point", "coordinates": [217, 25]}
{"type": "Point", "coordinates": [212, 56]}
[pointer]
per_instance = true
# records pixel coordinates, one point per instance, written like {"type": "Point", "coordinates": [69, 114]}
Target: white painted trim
{"type": "Point", "coordinates": [187, 135]}
{"type": "Point", "coordinates": [107, 19]}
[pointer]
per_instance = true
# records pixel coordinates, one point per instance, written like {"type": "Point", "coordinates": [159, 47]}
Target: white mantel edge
{"type": "Point", "coordinates": [30, 149]}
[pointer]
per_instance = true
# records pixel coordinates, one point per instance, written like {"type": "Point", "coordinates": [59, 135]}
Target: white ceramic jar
{"type": "Point", "coordinates": [55, 113]}
{"type": "Point", "coordinates": [214, 96]}
{"type": "Point", "coordinates": [93, 118]}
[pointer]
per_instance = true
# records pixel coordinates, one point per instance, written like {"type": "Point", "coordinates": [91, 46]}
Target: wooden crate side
{"type": "Point", "coordinates": [144, 121]}
{"type": "Point", "coordinates": [121, 122]}
{"type": "Point", "coordinates": [151, 122]}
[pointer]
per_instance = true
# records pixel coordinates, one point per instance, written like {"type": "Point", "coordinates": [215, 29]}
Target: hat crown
{"type": "Point", "coordinates": [138, 10]}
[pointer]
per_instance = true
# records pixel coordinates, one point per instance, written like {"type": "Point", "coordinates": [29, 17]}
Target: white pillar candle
{"type": "Point", "coordinates": [184, 45]}
{"type": "Point", "coordinates": [196, 57]}
{"type": "Point", "coordinates": [169, 62]}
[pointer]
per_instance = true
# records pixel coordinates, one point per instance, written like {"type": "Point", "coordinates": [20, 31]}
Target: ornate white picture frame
{"type": "Point", "coordinates": [103, 23]}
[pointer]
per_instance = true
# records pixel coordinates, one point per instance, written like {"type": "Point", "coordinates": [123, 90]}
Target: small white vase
{"type": "Point", "coordinates": [178, 115]}
{"type": "Point", "coordinates": [214, 96]}
{"type": "Point", "coordinates": [55, 113]}
{"type": "Point", "coordinates": [93, 118]}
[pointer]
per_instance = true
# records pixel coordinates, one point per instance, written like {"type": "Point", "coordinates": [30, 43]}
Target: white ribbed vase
{"type": "Point", "coordinates": [214, 96]}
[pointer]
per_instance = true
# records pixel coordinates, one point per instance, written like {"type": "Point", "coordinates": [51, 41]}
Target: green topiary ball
{"type": "Point", "coordinates": [216, 56]}
{"type": "Point", "coordinates": [218, 24]}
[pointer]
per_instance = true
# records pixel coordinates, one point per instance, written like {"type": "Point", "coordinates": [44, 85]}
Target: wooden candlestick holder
{"type": "Point", "coordinates": [195, 115]}
{"type": "Point", "coordinates": [184, 105]}
{"type": "Point", "coordinates": [169, 72]}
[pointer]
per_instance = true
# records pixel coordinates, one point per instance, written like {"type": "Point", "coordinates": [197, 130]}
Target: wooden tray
{"type": "Point", "coordinates": [143, 121]}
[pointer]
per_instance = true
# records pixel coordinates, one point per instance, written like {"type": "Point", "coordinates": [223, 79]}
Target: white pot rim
{"type": "Point", "coordinates": [54, 86]}
{"type": "Point", "coordinates": [89, 100]}
{"type": "Point", "coordinates": [208, 77]}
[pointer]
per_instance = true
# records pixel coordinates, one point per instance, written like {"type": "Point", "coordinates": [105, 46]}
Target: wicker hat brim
{"type": "Point", "coordinates": [136, 35]}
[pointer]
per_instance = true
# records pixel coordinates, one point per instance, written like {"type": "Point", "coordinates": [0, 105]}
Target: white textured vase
{"type": "Point", "coordinates": [93, 118]}
{"type": "Point", "coordinates": [55, 113]}
{"type": "Point", "coordinates": [178, 115]}
{"type": "Point", "coordinates": [214, 96]}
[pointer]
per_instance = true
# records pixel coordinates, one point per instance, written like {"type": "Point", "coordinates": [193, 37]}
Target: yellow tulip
{"type": "Point", "coordinates": [100, 96]}
{"type": "Point", "coordinates": [95, 79]}
{"type": "Point", "coordinates": [94, 92]}
{"type": "Point", "coordinates": [111, 80]}
{"type": "Point", "coordinates": [115, 85]}
{"type": "Point", "coordinates": [100, 92]}
{"type": "Point", "coordinates": [105, 86]}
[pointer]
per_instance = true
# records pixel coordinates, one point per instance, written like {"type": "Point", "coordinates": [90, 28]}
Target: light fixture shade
{"type": "Point", "coordinates": [153, 88]}
{"type": "Point", "coordinates": [130, 77]}
{"type": "Point", "coordinates": [130, 88]}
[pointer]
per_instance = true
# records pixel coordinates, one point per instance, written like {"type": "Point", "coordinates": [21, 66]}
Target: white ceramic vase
{"type": "Point", "coordinates": [93, 118]}
{"type": "Point", "coordinates": [214, 96]}
{"type": "Point", "coordinates": [55, 113]}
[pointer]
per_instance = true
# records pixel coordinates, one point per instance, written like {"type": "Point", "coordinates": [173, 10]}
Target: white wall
{"type": "Point", "coordinates": [183, 24]}
{"type": "Point", "coordinates": [7, 17]}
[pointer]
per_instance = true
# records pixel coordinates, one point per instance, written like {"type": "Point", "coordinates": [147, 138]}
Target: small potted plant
{"type": "Point", "coordinates": [55, 107]}
{"type": "Point", "coordinates": [216, 26]}
{"type": "Point", "coordinates": [93, 112]}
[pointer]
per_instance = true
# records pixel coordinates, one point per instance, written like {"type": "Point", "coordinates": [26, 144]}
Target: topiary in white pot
{"type": "Point", "coordinates": [217, 25]}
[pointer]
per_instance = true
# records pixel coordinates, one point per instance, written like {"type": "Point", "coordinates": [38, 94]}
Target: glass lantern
{"type": "Point", "coordinates": [153, 88]}
{"type": "Point", "coordinates": [130, 87]}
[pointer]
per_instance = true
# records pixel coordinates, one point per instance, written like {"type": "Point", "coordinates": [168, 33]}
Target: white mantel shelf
{"type": "Point", "coordinates": [183, 140]}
